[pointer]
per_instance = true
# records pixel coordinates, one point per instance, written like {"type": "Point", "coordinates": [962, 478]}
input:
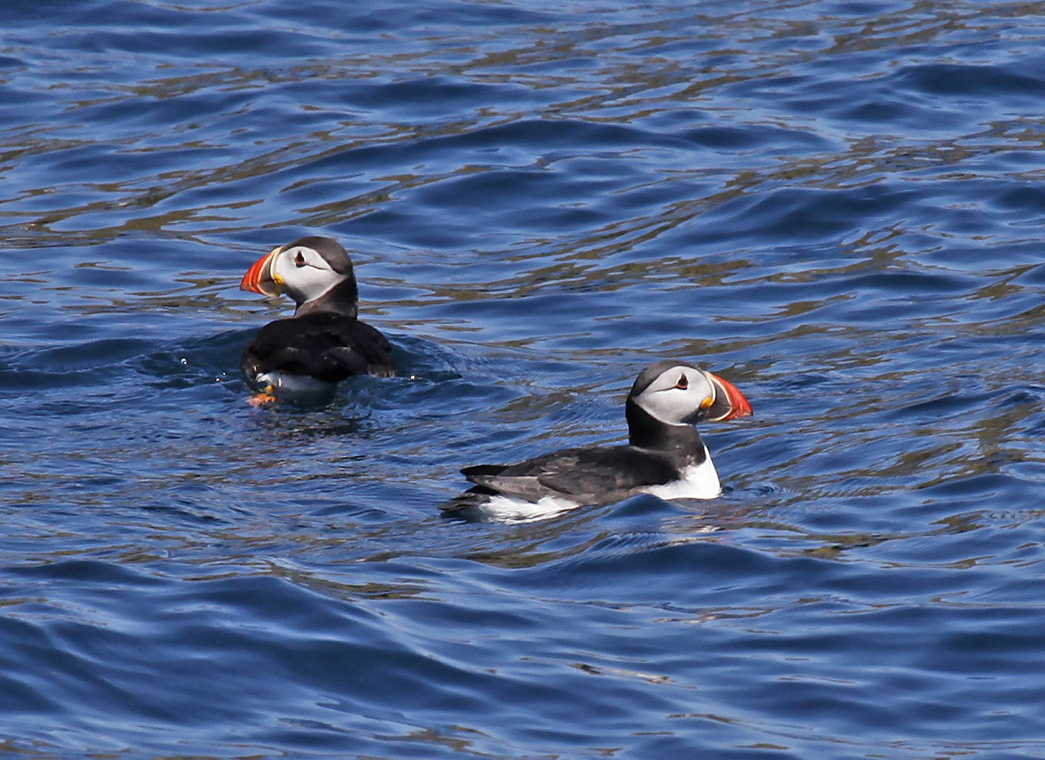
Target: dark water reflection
{"type": "Point", "coordinates": [834, 205]}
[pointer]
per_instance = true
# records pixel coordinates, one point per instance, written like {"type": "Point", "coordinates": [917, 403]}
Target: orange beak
{"type": "Point", "coordinates": [729, 401]}
{"type": "Point", "coordinates": [260, 278]}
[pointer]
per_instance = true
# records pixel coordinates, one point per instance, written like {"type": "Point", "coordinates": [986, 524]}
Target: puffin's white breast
{"type": "Point", "coordinates": [698, 481]}
{"type": "Point", "coordinates": [291, 383]}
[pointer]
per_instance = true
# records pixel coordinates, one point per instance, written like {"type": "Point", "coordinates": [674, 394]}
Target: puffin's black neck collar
{"type": "Point", "coordinates": [680, 443]}
{"type": "Point", "coordinates": [342, 299]}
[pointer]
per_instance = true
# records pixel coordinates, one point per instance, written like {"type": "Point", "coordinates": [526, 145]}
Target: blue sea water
{"type": "Point", "coordinates": [835, 205]}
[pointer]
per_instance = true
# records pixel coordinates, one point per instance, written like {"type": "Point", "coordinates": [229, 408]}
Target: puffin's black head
{"type": "Point", "coordinates": [678, 393]}
{"type": "Point", "coordinates": [304, 270]}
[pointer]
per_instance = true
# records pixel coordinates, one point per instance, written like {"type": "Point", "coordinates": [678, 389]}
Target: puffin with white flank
{"type": "Point", "coordinates": [665, 455]}
{"type": "Point", "coordinates": [324, 342]}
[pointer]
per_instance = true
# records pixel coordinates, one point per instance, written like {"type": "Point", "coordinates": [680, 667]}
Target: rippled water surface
{"type": "Point", "coordinates": [835, 205]}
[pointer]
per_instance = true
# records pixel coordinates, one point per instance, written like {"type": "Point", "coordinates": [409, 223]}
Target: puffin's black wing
{"type": "Point", "coordinates": [588, 475]}
{"type": "Point", "coordinates": [328, 347]}
{"type": "Point", "coordinates": [363, 345]}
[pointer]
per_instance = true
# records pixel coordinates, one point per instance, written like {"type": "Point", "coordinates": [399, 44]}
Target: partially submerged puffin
{"type": "Point", "coordinates": [665, 455]}
{"type": "Point", "coordinates": [323, 342]}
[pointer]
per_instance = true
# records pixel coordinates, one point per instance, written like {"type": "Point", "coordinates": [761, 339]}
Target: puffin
{"type": "Point", "coordinates": [324, 342]}
{"type": "Point", "coordinates": [665, 455]}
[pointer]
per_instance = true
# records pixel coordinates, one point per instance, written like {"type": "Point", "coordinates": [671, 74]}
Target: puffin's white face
{"type": "Point", "coordinates": [679, 395]}
{"type": "Point", "coordinates": [302, 273]}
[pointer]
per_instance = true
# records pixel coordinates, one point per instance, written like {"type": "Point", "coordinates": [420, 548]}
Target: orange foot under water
{"type": "Point", "coordinates": [260, 399]}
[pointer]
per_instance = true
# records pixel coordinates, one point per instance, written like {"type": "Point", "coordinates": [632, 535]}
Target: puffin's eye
{"type": "Point", "coordinates": [299, 259]}
{"type": "Point", "coordinates": [683, 383]}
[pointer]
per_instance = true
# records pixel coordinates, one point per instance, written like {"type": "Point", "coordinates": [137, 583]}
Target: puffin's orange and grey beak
{"type": "Point", "coordinates": [260, 278]}
{"type": "Point", "coordinates": [729, 402]}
